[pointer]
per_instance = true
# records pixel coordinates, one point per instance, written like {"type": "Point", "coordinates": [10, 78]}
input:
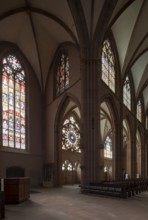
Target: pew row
{"type": "Point", "coordinates": [123, 189]}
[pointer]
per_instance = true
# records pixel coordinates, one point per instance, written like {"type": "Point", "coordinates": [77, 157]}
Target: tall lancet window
{"type": "Point", "coordinates": [62, 74]}
{"type": "Point", "coordinates": [13, 103]}
{"type": "Point", "coordinates": [127, 93]}
{"type": "Point", "coordinates": [108, 65]}
{"type": "Point", "coordinates": [108, 148]}
{"type": "Point", "coordinates": [139, 111]}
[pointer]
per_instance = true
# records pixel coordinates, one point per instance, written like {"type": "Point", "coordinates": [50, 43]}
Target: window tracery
{"type": "Point", "coordinates": [62, 74]}
{"type": "Point", "coordinates": [71, 135]}
{"type": "Point", "coordinates": [67, 166]}
{"type": "Point", "coordinates": [127, 93]}
{"type": "Point", "coordinates": [108, 65]}
{"type": "Point", "coordinates": [13, 103]}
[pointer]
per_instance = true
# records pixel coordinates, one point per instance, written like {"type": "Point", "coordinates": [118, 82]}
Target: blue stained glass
{"type": "Point", "coordinates": [13, 102]}
{"type": "Point", "coordinates": [71, 135]}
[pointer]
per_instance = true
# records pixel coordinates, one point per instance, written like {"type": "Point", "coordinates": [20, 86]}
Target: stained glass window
{"type": "Point", "coordinates": [71, 135]}
{"type": "Point", "coordinates": [67, 166]}
{"type": "Point", "coordinates": [13, 103]}
{"type": "Point", "coordinates": [139, 115]}
{"type": "Point", "coordinates": [62, 75]}
{"type": "Point", "coordinates": [108, 147]}
{"type": "Point", "coordinates": [108, 65]}
{"type": "Point", "coordinates": [127, 93]}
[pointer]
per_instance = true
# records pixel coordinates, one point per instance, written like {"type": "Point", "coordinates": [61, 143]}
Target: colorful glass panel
{"type": "Point", "coordinates": [62, 76]}
{"type": "Point", "coordinates": [127, 93]}
{"type": "Point", "coordinates": [108, 65]}
{"type": "Point", "coordinates": [71, 135]}
{"type": "Point", "coordinates": [13, 103]}
{"type": "Point", "coordinates": [67, 166]}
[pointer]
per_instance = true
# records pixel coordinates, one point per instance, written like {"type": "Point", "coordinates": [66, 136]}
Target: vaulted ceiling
{"type": "Point", "coordinates": [38, 27]}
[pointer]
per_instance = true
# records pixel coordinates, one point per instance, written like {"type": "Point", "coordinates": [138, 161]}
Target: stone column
{"type": "Point", "coordinates": [90, 119]}
{"type": "Point", "coordinates": [133, 152]}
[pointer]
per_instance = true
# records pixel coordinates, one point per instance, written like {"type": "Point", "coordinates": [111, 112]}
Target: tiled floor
{"type": "Point", "coordinates": [67, 203]}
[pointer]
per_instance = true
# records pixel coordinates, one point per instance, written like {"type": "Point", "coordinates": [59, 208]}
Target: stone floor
{"type": "Point", "coordinates": [67, 203]}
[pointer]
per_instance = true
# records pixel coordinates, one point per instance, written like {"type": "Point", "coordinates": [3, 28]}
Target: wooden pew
{"type": "Point", "coordinates": [120, 188]}
{"type": "Point", "coordinates": [113, 189]}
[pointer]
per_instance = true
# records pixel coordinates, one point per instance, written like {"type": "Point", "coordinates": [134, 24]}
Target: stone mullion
{"type": "Point", "coordinates": [95, 120]}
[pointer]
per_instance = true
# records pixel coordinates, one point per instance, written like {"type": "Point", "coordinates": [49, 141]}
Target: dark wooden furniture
{"type": "Point", "coordinates": [124, 188]}
{"type": "Point", "coordinates": [16, 189]}
{"type": "Point", "coordinates": [2, 205]}
{"type": "Point", "coordinates": [15, 172]}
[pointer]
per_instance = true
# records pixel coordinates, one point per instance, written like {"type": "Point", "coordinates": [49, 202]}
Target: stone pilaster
{"type": "Point", "coordinates": [90, 119]}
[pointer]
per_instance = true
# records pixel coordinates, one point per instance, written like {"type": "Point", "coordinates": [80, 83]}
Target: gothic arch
{"type": "Point", "coordinates": [68, 105]}
{"type": "Point", "coordinates": [110, 100]}
{"type": "Point", "coordinates": [7, 47]}
{"type": "Point", "coordinates": [108, 129]}
{"type": "Point", "coordinates": [110, 38]}
{"type": "Point", "coordinates": [140, 98]}
{"type": "Point", "coordinates": [132, 90]}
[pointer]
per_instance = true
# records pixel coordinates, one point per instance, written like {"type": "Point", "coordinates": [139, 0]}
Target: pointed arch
{"type": "Point", "coordinates": [68, 108]}
{"type": "Point", "coordinates": [108, 65]}
{"type": "Point", "coordinates": [108, 137]}
{"type": "Point", "coordinates": [13, 101]}
{"type": "Point", "coordinates": [61, 78]}
{"type": "Point", "coordinates": [140, 109]}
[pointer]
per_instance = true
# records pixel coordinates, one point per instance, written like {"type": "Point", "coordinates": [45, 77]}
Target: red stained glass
{"type": "Point", "coordinates": [13, 103]}
{"type": "Point", "coordinates": [62, 75]}
{"type": "Point", "coordinates": [71, 135]}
